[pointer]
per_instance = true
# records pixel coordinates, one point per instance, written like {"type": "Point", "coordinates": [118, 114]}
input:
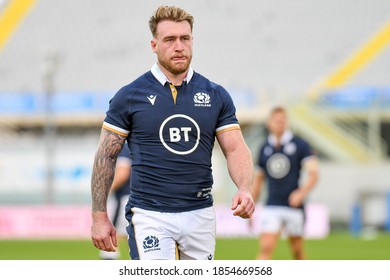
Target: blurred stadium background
{"type": "Point", "coordinates": [327, 61]}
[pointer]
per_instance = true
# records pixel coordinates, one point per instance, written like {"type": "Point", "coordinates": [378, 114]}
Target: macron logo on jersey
{"type": "Point", "coordinates": [152, 98]}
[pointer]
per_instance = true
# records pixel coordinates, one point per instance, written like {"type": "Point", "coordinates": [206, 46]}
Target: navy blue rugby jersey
{"type": "Point", "coordinates": [171, 141]}
{"type": "Point", "coordinates": [282, 166]}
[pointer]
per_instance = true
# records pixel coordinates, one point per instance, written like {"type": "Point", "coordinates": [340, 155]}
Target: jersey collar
{"type": "Point", "coordinates": [159, 75]}
{"type": "Point", "coordinates": [286, 137]}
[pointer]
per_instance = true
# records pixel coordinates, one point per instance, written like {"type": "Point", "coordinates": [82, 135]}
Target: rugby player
{"type": "Point", "coordinates": [281, 159]}
{"type": "Point", "coordinates": [170, 117]}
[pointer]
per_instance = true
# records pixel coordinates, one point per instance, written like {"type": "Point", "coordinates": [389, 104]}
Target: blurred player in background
{"type": "Point", "coordinates": [170, 116]}
{"type": "Point", "coordinates": [281, 159]}
{"type": "Point", "coordinates": [119, 195]}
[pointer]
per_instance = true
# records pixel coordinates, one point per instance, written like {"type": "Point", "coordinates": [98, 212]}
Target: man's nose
{"type": "Point", "coordinates": [179, 46]}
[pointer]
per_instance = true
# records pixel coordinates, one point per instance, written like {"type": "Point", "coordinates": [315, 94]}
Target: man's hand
{"type": "Point", "coordinates": [296, 198]}
{"type": "Point", "coordinates": [103, 232]}
{"type": "Point", "coordinates": [243, 204]}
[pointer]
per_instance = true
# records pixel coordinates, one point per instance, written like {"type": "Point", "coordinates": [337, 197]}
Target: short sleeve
{"type": "Point", "coordinates": [118, 116]}
{"type": "Point", "coordinates": [261, 160]}
{"type": "Point", "coordinates": [306, 150]}
{"type": "Point", "coordinates": [227, 119]}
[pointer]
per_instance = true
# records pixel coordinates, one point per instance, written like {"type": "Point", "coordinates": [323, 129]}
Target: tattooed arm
{"type": "Point", "coordinates": [102, 231]}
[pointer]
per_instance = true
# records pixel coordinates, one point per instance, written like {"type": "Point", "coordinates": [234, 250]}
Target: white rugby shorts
{"type": "Point", "coordinates": [274, 219]}
{"type": "Point", "coordinates": [168, 236]}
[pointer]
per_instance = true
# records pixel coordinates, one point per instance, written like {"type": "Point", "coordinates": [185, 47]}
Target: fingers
{"type": "Point", "coordinates": [106, 241]}
{"type": "Point", "coordinates": [243, 207]}
{"type": "Point", "coordinates": [114, 239]}
{"type": "Point", "coordinates": [295, 199]}
{"type": "Point", "coordinates": [235, 202]}
{"type": "Point", "coordinates": [104, 244]}
{"type": "Point", "coordinates": [244, 212]}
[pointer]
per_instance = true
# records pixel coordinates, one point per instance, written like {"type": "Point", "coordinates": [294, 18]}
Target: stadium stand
{"type": "Point", "coordinates": [281, 49]}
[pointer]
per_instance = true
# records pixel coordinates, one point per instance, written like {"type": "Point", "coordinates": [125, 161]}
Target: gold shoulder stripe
{"type": "Point", "coordinates": [114, 130]}
{"type": "Point", "coordinates": [228, 129]}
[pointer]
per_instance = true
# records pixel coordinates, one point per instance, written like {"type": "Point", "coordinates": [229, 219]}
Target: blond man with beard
{"type": "Point", "coordinates": [170, 116]}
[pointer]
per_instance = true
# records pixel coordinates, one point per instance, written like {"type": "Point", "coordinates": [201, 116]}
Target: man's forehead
{"type": "Point", "coordinates": [173, 28]}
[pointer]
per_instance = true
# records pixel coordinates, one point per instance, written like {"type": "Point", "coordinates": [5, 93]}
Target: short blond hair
{"type": "Point", "coordinates": [169, 13]}
{"type": "Point", "coordinates": [278, 109]}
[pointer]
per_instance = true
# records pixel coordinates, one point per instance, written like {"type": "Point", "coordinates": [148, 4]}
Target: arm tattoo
{"type": "Point", "coordinates": [110, 145]}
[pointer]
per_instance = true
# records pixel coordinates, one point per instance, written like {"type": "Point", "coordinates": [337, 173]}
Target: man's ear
{"type": "Point", "coordinates": [153, 44]}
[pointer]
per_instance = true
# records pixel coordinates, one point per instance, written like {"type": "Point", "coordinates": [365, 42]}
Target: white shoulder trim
{"type": "Point", "coordinates": [115, 129]}
{"type": "Point", "coordinates": [228, 127]}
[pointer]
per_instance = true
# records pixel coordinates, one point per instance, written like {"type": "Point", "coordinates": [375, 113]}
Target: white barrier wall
{"type": "Point", "coordinates": [69, 221]}
{"type": "Point", "coordinates": [340, 186]}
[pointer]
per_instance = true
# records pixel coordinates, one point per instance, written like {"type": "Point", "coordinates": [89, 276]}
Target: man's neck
{"type": "Point", "coordinates": [176, 80]}
{"type": "Point", "coordinates": [280, 139]}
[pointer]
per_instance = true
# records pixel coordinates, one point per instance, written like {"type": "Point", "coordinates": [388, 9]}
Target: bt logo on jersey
{"type": "Point", "coordinates": [175, 134]}
{"type": "Point", "coordinates": [180, 134]}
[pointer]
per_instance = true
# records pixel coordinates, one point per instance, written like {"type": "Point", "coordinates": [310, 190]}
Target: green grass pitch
{"type": "Point", "coordinates": [338, 246]}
